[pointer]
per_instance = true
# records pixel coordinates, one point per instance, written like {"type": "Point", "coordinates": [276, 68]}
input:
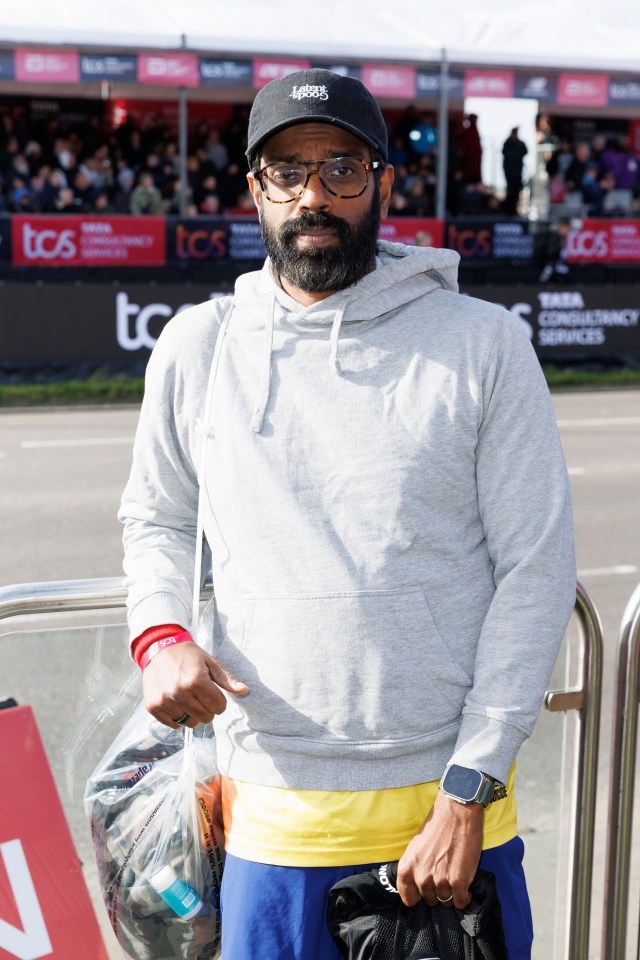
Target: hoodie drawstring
{"type": "Point", "coordinates": [334, 340]}
{"type": "Point", "coordinates": [265, 380]}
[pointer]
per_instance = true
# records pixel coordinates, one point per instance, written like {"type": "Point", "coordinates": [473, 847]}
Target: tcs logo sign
{"type": "Point", "coordinates": [588, 245]}
{"type": "Point", "coordinates": [48, 244]}
{"type": "Point", "coordinates": [198, 244]}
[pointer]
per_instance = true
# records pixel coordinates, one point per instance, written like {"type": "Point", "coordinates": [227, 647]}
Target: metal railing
{"type": "Point", "coordinates": [586, 700]}
{"type": "Point", "coordinates": [109, 593]}
{"type": "Point", "coordinates": [623, 766]}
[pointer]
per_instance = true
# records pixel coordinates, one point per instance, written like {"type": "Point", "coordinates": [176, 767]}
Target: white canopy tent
{"type": "Point", "coordinates": [582, 34]}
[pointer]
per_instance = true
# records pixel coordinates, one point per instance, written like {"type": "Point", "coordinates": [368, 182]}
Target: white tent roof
{"type": "Point", "coordinates": [541, 33]}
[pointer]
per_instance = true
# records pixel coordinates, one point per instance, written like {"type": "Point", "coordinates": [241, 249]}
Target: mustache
{"type": "Point", "coordinates": [313, 221]}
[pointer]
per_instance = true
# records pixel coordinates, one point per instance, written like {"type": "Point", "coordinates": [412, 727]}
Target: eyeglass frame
{"type": "Point", "coordinates": [369, 166]}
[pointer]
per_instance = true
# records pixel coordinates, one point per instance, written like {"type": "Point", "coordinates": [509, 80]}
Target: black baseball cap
{"type": "Point", "coordinates": [315, 96]}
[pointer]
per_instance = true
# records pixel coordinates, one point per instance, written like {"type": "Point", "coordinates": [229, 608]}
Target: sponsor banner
{"type": "Point", "coordinates": [589, 322]}
{"type": "Point", "coordinates": [266, 70]}
{"type": "Point", "coordinates": [488, 83]}
{"type": "Point", "coordinates": [169, 69]}
{"type": "Point", "coordinates": [624, 91]}
{"type": "Point", "coordinates": [54, 241]}
{"type": "Point", "coordinates": [46, 909]}
{"type": "Point", "coordinates": [428, 84]}
{"type": "Point", "coordinates": [605, 241]}
{"type": "Point", "coordinates": [225, 73]}
{"type": "Point", "coordinates": [583, 89]}
{"type": "Point", "coordinates": [198, 238]}
{"type": "Point", "coordinates": [6, 65]}
{"type": "Point", "coordinates": [5, 239]}
{"type": "Point", "coordinates": [245, 242]}
{"type": "Point", "coordinates": [110, 67]}
{"type": "Point", "coordinates": [385, 81]}
{"type": "Point", "coordinates": [491, 240]}
{"type": "Point", "coordinates": [343, 69]}
{"type": "Point", "coordinates": [540, 86]}
{"type": "Point", "coordinates": [92, 321]}
{"type": "Point", "coordinates": [47, 66]}
{"type": "Point", "coordinates": [102, 322]}
{"type": "Point", "coordinates": [414, 231]}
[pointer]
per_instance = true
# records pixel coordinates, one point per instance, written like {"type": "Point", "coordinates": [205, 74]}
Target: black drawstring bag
{"type": "Point", "coordinates": [368, 921]}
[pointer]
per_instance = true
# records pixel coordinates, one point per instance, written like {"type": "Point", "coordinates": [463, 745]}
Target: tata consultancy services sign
{"type": "Point", "coordinates": [88, 241]}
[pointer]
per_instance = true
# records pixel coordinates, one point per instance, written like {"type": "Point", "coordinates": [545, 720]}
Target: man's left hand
{"type": "Point", "coordinates": [441, 860]}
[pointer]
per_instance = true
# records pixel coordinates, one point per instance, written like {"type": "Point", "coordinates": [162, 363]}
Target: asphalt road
{"type": "Point", "coordinates": [61, 476]}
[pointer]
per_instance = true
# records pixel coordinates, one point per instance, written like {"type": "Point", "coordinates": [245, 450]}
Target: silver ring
{"type": "Point", "coordinates": [183, 719]}
{"type": "Point", "coordinates": [448, 900]}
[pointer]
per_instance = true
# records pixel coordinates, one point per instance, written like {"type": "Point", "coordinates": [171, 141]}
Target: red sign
{"type": "Point", "coordinates": [47, 66]}
{"type": "Point", "coordinates": [583, 89]}
{"type": "Point", "coordinates": [634, 133]}
{"type": "Point", "coordinates": [414, 231]}
{"type": "Point", "coordinates": [488, 83]}
{"type": "Point", "coordinates": [169, 69]}
{"type": "Point", "coordinates": [54, 241]}
{"type": "Point", "coordinates": [45, 907]}
{"type": "Point", "coordinates": [264, 71]}
{"type": "Point", "coordinates": [605, 241]}
{"type": "Point", "coordinates": [385, 81]}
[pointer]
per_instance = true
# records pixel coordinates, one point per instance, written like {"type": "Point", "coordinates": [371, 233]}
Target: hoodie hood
{"type": "Point", "coordinates": [406, 274]}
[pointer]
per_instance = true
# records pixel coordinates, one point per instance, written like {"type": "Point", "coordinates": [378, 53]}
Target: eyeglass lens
{"type": "Point", "coordinates": [344, 177]}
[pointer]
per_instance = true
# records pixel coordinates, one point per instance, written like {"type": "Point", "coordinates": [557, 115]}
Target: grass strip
{"type": "Point", "coordinates": [122, 389]}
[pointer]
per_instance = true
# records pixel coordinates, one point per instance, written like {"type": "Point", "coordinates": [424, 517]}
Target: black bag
{"type": "Point", "coordinates": [368, 921]}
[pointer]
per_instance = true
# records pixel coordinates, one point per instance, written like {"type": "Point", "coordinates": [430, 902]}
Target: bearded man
{"type": "Point", "coordinates": [389, 518]}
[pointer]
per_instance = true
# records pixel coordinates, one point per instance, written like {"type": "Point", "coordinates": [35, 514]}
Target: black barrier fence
{"type": "Point", "coordinates": [117, 325]}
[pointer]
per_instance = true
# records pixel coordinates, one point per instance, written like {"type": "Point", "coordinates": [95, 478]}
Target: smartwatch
{"type": "Point", "coordinates": [467, 785]}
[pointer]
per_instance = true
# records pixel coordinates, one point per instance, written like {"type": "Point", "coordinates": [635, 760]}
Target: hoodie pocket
{"type": "Point", "coordinates": [353, 667]}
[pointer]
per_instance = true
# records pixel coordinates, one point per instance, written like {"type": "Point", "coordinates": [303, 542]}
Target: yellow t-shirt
{"type": "Point", "coordinates": [319, 828]}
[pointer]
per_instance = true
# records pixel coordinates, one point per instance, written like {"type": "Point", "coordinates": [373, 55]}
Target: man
{"type": "Point", "coordinates": [389, 519]}
{"type": "Point", "coordinates": [514, 150]}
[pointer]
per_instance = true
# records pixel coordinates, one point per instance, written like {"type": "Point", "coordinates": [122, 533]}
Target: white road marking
{"type": "Point", "coordinates": [623, 569]}
{"type": "Point", "coordinates": [601, 422]}
{"type": "Point", "coordinates": [84, 442]}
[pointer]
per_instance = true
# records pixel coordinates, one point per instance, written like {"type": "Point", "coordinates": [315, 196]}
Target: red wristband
{"type": "Point", "coordinates": [163, 644]}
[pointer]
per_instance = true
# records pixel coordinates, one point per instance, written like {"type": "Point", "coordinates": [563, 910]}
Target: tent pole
{"type": "Point", "coordinates": [443, 138]}
{"type": "Point", "coordinates": [183, 148]}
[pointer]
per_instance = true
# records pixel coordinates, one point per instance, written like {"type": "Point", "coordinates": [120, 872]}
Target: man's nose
{"type": "Point", "coordinates": [315, 195]}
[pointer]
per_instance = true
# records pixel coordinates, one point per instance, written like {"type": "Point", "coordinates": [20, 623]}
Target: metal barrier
{"type": "Point", "coordinates": [623, 765]}
{"type": "Point", "coordinates": [109, 593]}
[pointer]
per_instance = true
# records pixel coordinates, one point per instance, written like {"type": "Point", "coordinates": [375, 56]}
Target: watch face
{"type": "Point", "coordinates": [462, 782]}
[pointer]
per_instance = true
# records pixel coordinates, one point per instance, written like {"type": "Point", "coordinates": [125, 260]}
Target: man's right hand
{"type": "Point", "coordinates": [185, 679]}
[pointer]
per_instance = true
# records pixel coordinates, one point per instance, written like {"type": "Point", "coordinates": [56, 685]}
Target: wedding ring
{"type": "Point", "coordinates": [448, 900]}
{"type": "Point", "coordinates": [183, 718]}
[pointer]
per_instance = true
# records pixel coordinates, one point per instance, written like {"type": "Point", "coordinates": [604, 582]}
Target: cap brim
{"type": "Point", "coordinates": [311, 118]}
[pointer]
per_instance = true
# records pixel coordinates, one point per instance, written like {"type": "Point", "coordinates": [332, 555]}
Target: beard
{"type": "Point", "coordinates": [323, 269]}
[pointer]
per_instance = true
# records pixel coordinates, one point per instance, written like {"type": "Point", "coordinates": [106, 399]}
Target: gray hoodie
{"type": "Point", "coordinates": [389, 518]}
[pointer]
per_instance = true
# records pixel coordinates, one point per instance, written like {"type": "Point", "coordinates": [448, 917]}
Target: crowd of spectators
{"type": "Point", "coordinates": [602, 175]}
{"type": "Point", "coordinates": [49, 167]}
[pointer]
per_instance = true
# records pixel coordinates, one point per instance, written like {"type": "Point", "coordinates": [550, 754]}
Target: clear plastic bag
{"type": "Point", "coordinates": [153, 804]}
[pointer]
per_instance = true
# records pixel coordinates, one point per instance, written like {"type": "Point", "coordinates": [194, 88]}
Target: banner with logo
{"type": "Point", "coordinates": [45, 906]}
{"type": "Point", "coordinates": [6, 65]}
{"type": "Point", "coordinates": [386, 81]}
{"type": "Point", "coordinates": [197, 238]}
{"type": "Point", "coordinates": [489, 83]}
{"type": "Point", "coordinates": [169, 69]}
{"type": "Point", "coordinates": [115, 68]}
{"type": "Point", "coordinates": [56, 241]}
{"type": "Point", "coordinates": [47, 66]}
{"type": "Point", "coordinates": [538, 86]}
{"type": "Point", "coordinates": [590, 322]}
{"type": "Point", "coordinates": [266, 70]}
{"type": "Point", "coordinates": [477, 239]}
{"type": "Point", "coordinates": [605, 241]}
{"type": "Point", "coordinates": [101, 322]}
{"type": "Point", "coordinates": [225, 73]}
{"type": "Point", "coordinates": [583, 89]}
{"type": "Point", "coordinates": [414, 231]}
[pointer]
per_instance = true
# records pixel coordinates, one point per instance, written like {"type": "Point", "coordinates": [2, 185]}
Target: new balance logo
{"type": "Point", "coordinates": [309, 90]}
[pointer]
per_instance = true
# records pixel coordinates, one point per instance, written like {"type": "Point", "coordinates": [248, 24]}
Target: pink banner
{"type": "Point", "coordinates": [385, 81]}
{"type": "Point", "coordinates": [582, 89]}
{"type": "Point", "coordinates": [54, 241]}
{"type": "Point", "coordinates": [605, 241]}
{"type": "Point", "coordinates": [414, 231]}
{"type": "Point", "coordinates": [264, 71]}
{"type": "Point", "coordinates": [47, 66]}
{"type": "Point", "coordinates": [488, 83]}
{"type": "Point", "coordinates": [169, 69]}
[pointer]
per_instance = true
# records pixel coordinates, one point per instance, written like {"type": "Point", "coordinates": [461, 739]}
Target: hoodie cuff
{"type": "Point", "coordinates": [158, 608]}
{"type": "Point", "coordinates": [488, 745]}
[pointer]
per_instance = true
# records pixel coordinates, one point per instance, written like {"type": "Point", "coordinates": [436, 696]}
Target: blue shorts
{"type": "Point", "coordinates": [279, 913]}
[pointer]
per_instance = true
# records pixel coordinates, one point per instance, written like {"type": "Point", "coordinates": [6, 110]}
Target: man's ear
{"type": "Point", "coordinates": [256, 190]}
{"type": "Point", "coordinates": [386, 184]}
